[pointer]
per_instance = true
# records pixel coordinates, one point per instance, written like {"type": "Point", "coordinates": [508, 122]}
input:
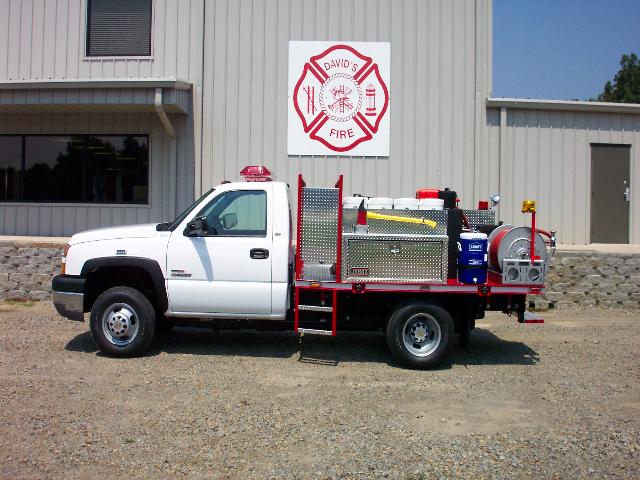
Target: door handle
{"type": "Point", "coordinates": [627, 194]}
{"type": "Point", "coordinates": [259, 253]}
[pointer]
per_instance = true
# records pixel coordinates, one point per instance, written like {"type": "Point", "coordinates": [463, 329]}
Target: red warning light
{"type": "Point", "coordinates": [256, 173]}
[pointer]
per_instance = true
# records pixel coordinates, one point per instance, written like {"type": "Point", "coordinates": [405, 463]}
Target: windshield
{"type": "Point", "coordinates": [171, 226]}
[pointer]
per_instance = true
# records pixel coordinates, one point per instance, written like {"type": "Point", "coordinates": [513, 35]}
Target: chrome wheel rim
{"type": "Point", "coordinates": [120, 324]}
{"type": "Point", "coordinates": [421, 335]}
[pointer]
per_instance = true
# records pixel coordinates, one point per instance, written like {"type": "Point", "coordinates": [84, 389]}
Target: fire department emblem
{"type": "Point", "coordinates": [340, 98]}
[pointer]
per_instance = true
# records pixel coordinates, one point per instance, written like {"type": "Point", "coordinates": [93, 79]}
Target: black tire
{"type": "Point", "coordinates": [427, 320]}
{"type": "Point", "coordinates": [128, 309]}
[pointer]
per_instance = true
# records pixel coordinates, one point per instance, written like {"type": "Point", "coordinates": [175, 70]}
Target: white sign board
{"type": "Point", "coordinates": [338, 98]}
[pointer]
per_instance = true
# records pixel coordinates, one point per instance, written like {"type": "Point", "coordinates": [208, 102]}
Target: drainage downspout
{"type": "Point", "coordinates": [162, 114]}
{"type": "Point", "coordinates": [173, 160]}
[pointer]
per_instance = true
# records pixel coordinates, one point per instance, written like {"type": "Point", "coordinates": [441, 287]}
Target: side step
{"type": "Point", "coordinates": [315, 308]}
{"type": "Point", "coordinates": [314, 331]}
{"type": "Point", "coordinates": [312, 306]}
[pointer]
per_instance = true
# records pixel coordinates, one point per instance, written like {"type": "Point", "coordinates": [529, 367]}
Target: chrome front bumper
{"type": "Point", "coordinates": [69, 305]}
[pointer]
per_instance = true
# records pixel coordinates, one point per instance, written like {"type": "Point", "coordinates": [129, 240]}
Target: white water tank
{"type": "Point", "coordinates": [406, 204]}
{"type": "Point", "coordinates": [380, 203]}
{"type": "Point", "coordinates": [354, 202]}
{"type": "Point", "coordinates": [431, 204]}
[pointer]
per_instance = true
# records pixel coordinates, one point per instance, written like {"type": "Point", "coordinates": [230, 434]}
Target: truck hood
{"type": "Point", "coordinates": [113, 233]}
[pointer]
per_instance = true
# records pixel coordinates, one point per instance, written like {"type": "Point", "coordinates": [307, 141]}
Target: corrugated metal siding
{"type": "Point", "coordinates": [547, 157]}
{"type": "Point", "coordinates": [165, 175]}
{"type": "Point", "coordinates": [42, 39]}
{"type": "Point", "coordinates": [441, 74]}
{"type": "Point", "coordinates": [46, 39]}
{"type": "Point", "coordinates": [440, 77]}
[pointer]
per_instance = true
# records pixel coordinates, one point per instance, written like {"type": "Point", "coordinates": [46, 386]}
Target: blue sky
{"type": "Point", "coordinates": [560, 49]}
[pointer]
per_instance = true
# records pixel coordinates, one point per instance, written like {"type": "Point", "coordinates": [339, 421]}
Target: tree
{"type": "Point", "coordinates": [626, 83]}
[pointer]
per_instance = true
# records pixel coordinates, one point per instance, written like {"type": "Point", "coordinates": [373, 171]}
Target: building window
{"type": "Point", "coordinates": [74, 168]}
{"type": "Point", "coordinates": [118, 28]}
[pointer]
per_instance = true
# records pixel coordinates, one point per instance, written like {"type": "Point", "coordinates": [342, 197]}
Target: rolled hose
{"type": "Point", "coordinates": [395, 218]}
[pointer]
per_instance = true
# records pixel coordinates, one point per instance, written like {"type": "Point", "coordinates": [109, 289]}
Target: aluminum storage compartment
{"type": "Point", "coordinates": [394, 258]}
{"type": "Point", "coordinates": [480, 217]}
{"type": "Point", "coordinates": [319, 235]}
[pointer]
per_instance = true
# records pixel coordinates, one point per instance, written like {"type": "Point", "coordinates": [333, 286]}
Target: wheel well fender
{"type": "Point", "coordinates": [113, 271]}
{"type": "Point", "coordinates": [412, 300]}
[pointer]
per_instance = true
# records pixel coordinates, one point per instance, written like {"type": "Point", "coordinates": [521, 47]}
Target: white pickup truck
{"type": "Point", "coordinates": [228, 262]}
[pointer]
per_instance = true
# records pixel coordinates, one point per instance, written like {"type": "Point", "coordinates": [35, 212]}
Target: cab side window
{"type": "Point", "coordinates": [239, 213]}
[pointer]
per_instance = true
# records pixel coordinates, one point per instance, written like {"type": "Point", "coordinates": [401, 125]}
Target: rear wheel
{"type": "Point", "coordinates": [123, 322]}
{"type": "Point", "coordinates": [420, 334]}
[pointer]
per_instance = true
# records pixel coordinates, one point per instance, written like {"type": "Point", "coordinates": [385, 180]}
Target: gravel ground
{"type": "Point", "coordinates": [560, 400]}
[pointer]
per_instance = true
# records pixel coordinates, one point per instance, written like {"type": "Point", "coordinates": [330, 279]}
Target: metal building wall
{"type": "Point", "coordinates": [440, 78]}
{"type": "Point", "coordinates": [235, 52]}
{"type": "Point", "coordinates": [165, 175]}
{"type": "Point", "coordinates": [546, 155]}
{"type": "Point", "coordinates": [42, 39]}
{"type": "Point", "coordinates": [46, 39]}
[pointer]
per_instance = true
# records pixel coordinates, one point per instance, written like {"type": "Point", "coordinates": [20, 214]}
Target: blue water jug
{"type": "Point", "coordinates": [472, 258]}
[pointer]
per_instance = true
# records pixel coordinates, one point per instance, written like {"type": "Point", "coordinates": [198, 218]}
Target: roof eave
{"type": "Point", "coordinates": [168, 82]}
{"type": "Point", "coordinates": [563, 105]}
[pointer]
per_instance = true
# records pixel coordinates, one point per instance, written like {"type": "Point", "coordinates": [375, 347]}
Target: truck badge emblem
{"type": "Point", "coordinates": [340, 98]}
{"type": "Point", "coordinates": [180, 274]}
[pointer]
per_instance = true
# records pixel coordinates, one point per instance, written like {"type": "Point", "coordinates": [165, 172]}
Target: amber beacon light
{"type": "Point", "coordinates": [528, 206]}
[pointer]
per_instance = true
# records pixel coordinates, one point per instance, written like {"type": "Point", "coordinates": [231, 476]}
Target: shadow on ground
{"type": "Point", "coordinates": [81, 343]}
{"type": "Point", "coordinates": [486, 348]}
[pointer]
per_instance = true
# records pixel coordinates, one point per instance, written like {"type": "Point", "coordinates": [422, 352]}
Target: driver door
{"type": "Point", "coordinates": [225, 271]}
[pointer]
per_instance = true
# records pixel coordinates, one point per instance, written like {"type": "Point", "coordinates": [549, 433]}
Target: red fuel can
{"type": "Point", "coordinates": [427, 193]}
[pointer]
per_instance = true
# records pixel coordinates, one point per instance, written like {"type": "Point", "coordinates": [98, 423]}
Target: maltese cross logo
{"type": "Point", "coordinates": [340, 98]}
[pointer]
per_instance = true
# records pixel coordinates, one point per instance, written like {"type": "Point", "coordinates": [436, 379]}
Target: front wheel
{"type": "Point", "coordinates": [420, 334]}
{"type": "Point", "coordinates": [123, 322]}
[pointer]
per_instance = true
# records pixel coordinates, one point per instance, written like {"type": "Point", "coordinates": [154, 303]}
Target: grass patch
{"type": "Point", "coordinates": [19, 302]}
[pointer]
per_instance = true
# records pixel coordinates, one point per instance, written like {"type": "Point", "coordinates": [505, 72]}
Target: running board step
{"type": "Point", "coordinates": [314, 308]}
{"type": "Point", "coordinates": [314, 331]}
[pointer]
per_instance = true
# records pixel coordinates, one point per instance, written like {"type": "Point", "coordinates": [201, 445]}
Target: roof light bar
{"type": "Point", "coordinates": [256, 173]}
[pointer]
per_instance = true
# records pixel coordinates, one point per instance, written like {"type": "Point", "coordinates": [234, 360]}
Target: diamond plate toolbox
{"type": "Point", "coordinates": [394, 258]}
{"type": "Point", "coordinates": [319, 242]}
{"type": "Point", "coordinates": [480, 217]}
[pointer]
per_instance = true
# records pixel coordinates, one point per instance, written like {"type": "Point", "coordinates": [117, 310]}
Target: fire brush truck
{"type": "Point", "coordinates": [420, 270]}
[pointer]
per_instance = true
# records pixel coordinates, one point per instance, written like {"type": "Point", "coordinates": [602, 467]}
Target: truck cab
{"type": "Point", "coordinates": [227, 256]}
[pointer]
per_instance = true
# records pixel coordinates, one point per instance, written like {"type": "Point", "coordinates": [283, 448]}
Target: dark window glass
{"type": "Point", "coordinates": [118, 28]}
{"type": "Point", "coordinates": [75, 169]}
{"type": "Point", "coordinates": [10, 168]}
{"type": "Point", "coordinates": [117, 169]}
{"type": "Point", "coordinates": [53, 169]}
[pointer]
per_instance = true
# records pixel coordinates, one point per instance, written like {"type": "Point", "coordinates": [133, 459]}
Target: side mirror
{"type": "Point", "coordinates": [196, 227]}
{"type": "Point", "coordinates": [229, 220]}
